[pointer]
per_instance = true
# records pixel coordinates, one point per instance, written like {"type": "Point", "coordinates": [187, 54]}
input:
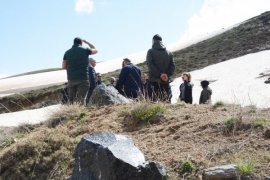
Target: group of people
{"type": "Point", "coordinates": [132, 83]}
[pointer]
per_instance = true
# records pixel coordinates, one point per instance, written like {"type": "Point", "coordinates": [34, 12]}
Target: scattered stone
{"type": "Point", "coordinates": [106, 95]}
{"type": "Point", "coordinates": [228, 172]}
{"type": "Point", "coordinates": [109, 156]}
{"type": "Point", "coordinates": [267, 133]}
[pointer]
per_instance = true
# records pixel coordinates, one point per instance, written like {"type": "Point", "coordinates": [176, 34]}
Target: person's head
{"type": "Point", "coordinates": [186, 76]}
{"type": "Point", "coordinates": [112, 80]}
{"type": "Point", "coordinates": [99, 76]}
{"type": "Point", "coordinates": [144, 77]}
{"type": "Point", "coordinates": [77, 41]}
{"type": "Point", "coordinates": [126, 61]}
{"type": "Point", "coordinates": [156, 38]}
{"type": "Point", "coordinates": [204, 84]}
{"type": "Point", "coordinates": [92, 62]}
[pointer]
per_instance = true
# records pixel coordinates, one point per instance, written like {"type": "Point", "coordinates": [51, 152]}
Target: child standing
{"type": "Point", "coordinates": [186, 89]}
{"type": "Point", "coordinates": [206, 93]}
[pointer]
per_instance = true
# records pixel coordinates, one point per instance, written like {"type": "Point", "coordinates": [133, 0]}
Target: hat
{"type": "Point", "coordinates": [157, 37]}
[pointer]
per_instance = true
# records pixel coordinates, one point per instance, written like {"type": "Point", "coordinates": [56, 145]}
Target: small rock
{"type": "Point", "coordinates": [228, 172]}
{"type": "Point", "coordinates": [267, 133]}
{"type": "Point", "coordinates": [109, 156]}
{"type": "Point", "coordinates": [266, 177]}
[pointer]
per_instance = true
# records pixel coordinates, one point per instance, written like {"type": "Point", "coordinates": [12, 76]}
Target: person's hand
{"type": "Point", "coordinates": [164, 77]}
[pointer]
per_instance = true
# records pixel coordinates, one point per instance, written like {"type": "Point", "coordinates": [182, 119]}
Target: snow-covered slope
{"type": "Point", "coordinates": [28, 116]}
{"type": "Point", "coordinates": [235, 81]}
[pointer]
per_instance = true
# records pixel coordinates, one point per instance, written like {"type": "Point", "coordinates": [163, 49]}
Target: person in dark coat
{"type": "Point", "coordinates": [92, 78]}
{"type": "Point", "coordinates": [206, 93]}
{"type": "Point", "coordinates": [130, 79]}
{"type": "Point", "coordinates": [161, 67]}
{"type": "Point", "coordinates": [64, 93]}
{"type": "Point", "coordinates": [186, 89]}
{"type": "Point", "coordinates": [145, 84]}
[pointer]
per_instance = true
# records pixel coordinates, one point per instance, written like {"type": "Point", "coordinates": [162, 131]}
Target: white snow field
{"type": "Point", "coordinates": [34, 116]}
{"type": "Point", "coordinates": [235, 81]}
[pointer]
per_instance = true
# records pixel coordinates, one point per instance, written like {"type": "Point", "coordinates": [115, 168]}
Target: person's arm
{"type": "Point", "coordinates": [93, 48]}
{"type": "Point", "coordinates": [64, 64]}
{"type": "Point", "coordinates": [122, 77]}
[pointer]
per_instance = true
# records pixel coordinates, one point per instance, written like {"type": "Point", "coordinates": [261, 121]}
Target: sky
{"type": "Point", "coordinates": [35, 34]}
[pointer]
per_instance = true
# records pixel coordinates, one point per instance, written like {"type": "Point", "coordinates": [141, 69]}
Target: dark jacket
{"type": "Point", "coordinates": [205, 97]}
{"type": "Point", "coordinates": [159, 60]}
{"type": "Point", "coordinates": [130, 79]}
{"type": "Point", "coordinates": [186, 92]}
{"type": "Point", "coordinates": [92, 77]}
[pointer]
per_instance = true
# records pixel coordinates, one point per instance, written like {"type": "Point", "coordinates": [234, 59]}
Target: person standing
{"type": "Point", "coordinates": [186, 89]}
{"type": "Point", "coordinates": [130, 79]}
{"type": "Point", "coordinates": [75, 61]}
{"type": "Point", "coordinates": [161, 67]}
{"type": "Point", "coordinates": [205, 97]}
{"type": "Point", "coordinates": [92, 78]}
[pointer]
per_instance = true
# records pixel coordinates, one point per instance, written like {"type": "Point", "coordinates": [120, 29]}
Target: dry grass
{"type": "Point", "coordinates": [183, 133]}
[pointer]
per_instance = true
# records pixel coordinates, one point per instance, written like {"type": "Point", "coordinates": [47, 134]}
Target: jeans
{"type": "Point", "coordinates": [77, 90]}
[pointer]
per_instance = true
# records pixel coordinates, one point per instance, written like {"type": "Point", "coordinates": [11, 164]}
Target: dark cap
{"type": "Point", "coordinates": [157, 37]}
{"type": "Point", "coordinates": [204, 83]}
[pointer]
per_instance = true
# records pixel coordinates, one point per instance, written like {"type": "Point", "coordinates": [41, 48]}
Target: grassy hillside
{"type": "Point", "coordinates": [204, 136]}
{"type": "Point", "coordinates": [34, 72]}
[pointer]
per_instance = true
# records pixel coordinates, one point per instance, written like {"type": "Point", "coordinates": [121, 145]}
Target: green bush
{"type": "Point", "coordinates": [218, 104]}
{"type": "Point", "coordinates": [246, 168]}
{"type": "Point", "coordinates": [187, 166]}
{"type": "Point", "coordinates": [260, 123]}
{"type": "Point", "coordinates": [229, 123]}
{"type": "Point", "coordinates": [147, 111]}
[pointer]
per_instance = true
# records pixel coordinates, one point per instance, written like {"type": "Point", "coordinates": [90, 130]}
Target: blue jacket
{"type": "Point", "coordinates": [130, 78]}
{"type": "Point", "coordinates": [92, 77]}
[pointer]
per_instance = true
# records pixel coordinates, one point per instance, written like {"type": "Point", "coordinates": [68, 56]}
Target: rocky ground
{"type": "Point", "coordinates": [205, 135]}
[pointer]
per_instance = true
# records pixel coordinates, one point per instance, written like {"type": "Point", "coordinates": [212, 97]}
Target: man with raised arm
{"type": "Point", "coordinates": [75, 61]}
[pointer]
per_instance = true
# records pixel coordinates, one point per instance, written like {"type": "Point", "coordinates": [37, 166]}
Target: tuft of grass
{"type": "Point", "coordinates": [260, 123]}
{"type": "Point", "coordinates": [229, 122]}
{"type": "Point", "coordinates": [145, 112]}
{"type": "Point", "coordinates": [186, 167]}
{"type": "Point", "coordinates": [7, 142]}
{"type": "Point", "coordinates": [218, 104]}
{"type": "Point", "coordinates": [246, 168]}
{"type": "Point", "coordinates": [66, 113]}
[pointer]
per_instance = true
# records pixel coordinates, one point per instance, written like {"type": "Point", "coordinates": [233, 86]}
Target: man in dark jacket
{"type": "Point", "coordinates": [161, 67]}
{"type": "Point", "coordinates": [206, 93]}
{"type": "Point", "coordinates": [75, 61]}
{"type": "Point", "coordinates": [92, 78]}
{"type": "Point", "coordinates": [130, 79]}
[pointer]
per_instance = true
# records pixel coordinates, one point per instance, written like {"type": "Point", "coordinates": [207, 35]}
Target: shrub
{"type": "Point", "coordinates": [218, 104]}
{"type": "Point", "coordinates": [187, 166]}
{"type": "Point", "coordinates": [7, 142]}
{"type": "Point", "coordinates": [229, 123]}
{"type": "Point", "coordinates": [260, 123]}
{"type": "Point", "coordinates": [246, 168]}
{"type": "Point", "coordinates": [145, 112]}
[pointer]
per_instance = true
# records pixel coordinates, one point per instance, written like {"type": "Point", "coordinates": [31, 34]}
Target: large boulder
{"type": "Point", "coordinates": [109, 156]}
{"type": "Point", "coordinates": [105, 95]}
{"type": "Point", "coordinates": [228, 172]}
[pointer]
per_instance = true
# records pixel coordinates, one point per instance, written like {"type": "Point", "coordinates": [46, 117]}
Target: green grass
{"type": "Point", "coordinates": [145, 112]}
{"type": "Point", "coordinates": [260, 123]}
{"type": "Point", "coordinates": [246, 168]}
{"type": "Point", "coordinates": [218, 104]}
{"type": "Point", "coordinates": [186, 167]}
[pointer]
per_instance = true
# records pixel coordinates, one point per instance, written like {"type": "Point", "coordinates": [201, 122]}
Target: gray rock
{"type": "Point", "coordinates": [109, 156]}
{"type": "Point", "coordinates": [266, 177]}
{"type": "Point", "coordinates": [228, 172]}
{"type": "Point", "coordinates": [105, 95]}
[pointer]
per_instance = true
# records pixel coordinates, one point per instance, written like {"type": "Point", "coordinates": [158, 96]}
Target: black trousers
{"type": "Point", "coordinates": [159, 92]}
